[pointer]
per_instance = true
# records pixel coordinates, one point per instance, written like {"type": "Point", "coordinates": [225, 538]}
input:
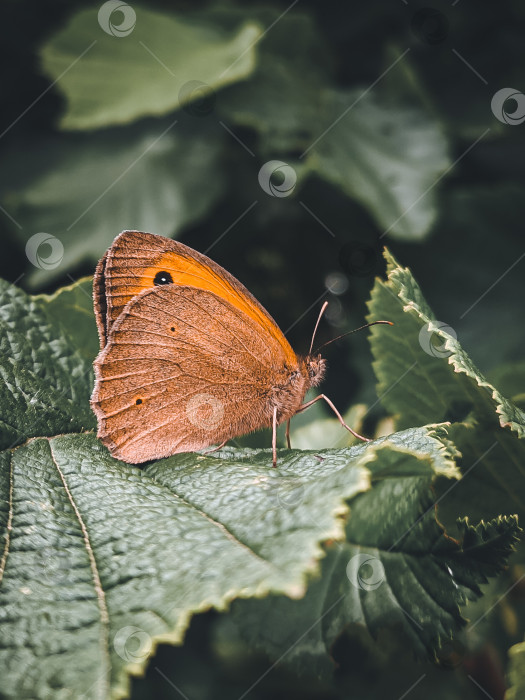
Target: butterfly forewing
{"type": "Point", "coordinates": [136, 259]}
{"type": "Point", "coordinates": [182, 369]}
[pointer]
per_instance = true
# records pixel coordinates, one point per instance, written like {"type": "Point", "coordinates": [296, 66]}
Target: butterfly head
{"type": "Point", "coordinates": [315, 367]}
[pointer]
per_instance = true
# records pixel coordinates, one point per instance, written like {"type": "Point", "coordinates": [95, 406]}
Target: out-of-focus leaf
{"type": "Point", "coordinates": [146, 177]}
{"type": "Point", "coordinates": [385, 154]}
{"type": "Point", "coordinates": [149, 69]}
{"type": "Point", "coordinates": [516, 689]}
{"type": "Point", "coordinates": [384, 151]}
{"type": "Point", "coordinates": [282, 100]}
{"type": "Point", "coordinates": [326, 432]}
{"type": "Point", "coordinates": [473, 280]}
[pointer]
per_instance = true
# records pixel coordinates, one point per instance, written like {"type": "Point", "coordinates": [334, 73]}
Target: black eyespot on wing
{"type": "Point", "coordinates": [138, 402]}
{"type": "Point", "coordinates": [163, 277]}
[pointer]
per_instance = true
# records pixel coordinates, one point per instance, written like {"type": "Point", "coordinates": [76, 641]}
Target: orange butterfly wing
{"type": "Point", "coordinates": [129, 267]}
{"type": "Point", "coordinates": [184, 368]}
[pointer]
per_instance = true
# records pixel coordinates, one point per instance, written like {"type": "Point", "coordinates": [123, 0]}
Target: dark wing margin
{"type": "Point", "coordinates": [100, 299]}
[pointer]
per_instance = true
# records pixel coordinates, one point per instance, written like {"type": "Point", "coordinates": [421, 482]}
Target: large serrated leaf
{"type": "Point", "coordinates": [48, 345]}
{"type": "Point", "coordinates": [100, 561]}
{"type": "Point", "coordinates": [445, 376]}
{"type": "Point", "coordinates": [425, 375]}
{"type": "Point", "coordinates": [110, 79]}
{"type": "Point", "coordinates": [397, 567]}
{"type": "Point", "coordinates": [98, 554]}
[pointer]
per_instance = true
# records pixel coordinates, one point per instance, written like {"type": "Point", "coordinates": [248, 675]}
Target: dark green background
{"type": "Point", "coordinates": [283, 255]}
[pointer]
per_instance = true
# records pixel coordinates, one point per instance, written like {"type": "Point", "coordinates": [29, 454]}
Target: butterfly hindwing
{"type": "Point", "coordinates": [183, 368]}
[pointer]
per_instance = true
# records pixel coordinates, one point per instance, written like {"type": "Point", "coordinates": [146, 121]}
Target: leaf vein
{"type": "Point", "coordinates": [101, 596]}
{"type": "Point", "coordinates": [9, 523]}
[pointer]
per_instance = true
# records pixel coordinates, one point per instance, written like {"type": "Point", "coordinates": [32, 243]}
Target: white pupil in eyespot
{"type": "Point", "coordinates": [163, 278]}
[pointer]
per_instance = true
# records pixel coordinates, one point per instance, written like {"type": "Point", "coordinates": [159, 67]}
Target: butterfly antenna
{"type": "Point", "coordinates": [323, 308]}
{"type": "Point", "coordinates": [367, 325]}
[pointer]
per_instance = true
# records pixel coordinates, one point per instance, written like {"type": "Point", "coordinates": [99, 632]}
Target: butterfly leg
{"type": "Point", "coordinates": [274, 437]}
{"type": "Point", "coordinates": [334, 409]}
{"type": "Point", "coordinates": [215, 449]}
{"type": "Point", "coordinates": [289, 444]}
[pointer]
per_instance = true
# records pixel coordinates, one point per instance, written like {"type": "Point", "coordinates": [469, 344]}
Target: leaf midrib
{"type": "Point", "coordinates": [99, 591]}
{"type": "Point", "coordinates": [9, 524]}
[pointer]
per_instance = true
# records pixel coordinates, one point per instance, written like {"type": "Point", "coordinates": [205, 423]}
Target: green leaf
{"type": "Point", "coordinates": [100, 561]}
{"type": "Point", "coordinates": [516, 689]}
{"type": "Point", "coordinates": [70, 311]}
{"type": "Point", "coordinates": [424, 375]}
{"type": "Point", "coordinates": [282, 100]}
{"type": "Point", "coordinates": [109, 79]}
{"type": "Point", "coordinates": [510, 380]}
{"type": "Point", "coordinates": [386, 155]}
{"type": "Point", "coordinates": [147, 177]}
{"type": "Point", "coordinates": [321, 432]}
{"type": "Point", "coordinates": [384, 150]}
{"type": "Point", "coordinates": [469, 215]}
{"type": "Point", "coordinates": [397, 567]}
{"type": "Point", "coordinates": [47, 349]}
{"type": "Point", "coordinates": [489, 544]}
{"type": "Point", "coordinates": [102, 558]}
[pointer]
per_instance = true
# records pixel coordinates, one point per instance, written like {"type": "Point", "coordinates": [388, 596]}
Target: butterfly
{"type": "Point", "coordinates": [188, 357]}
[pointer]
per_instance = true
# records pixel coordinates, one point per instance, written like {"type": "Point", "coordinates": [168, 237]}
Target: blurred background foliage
{"type": "Point", "coordinates": [383, 111]}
